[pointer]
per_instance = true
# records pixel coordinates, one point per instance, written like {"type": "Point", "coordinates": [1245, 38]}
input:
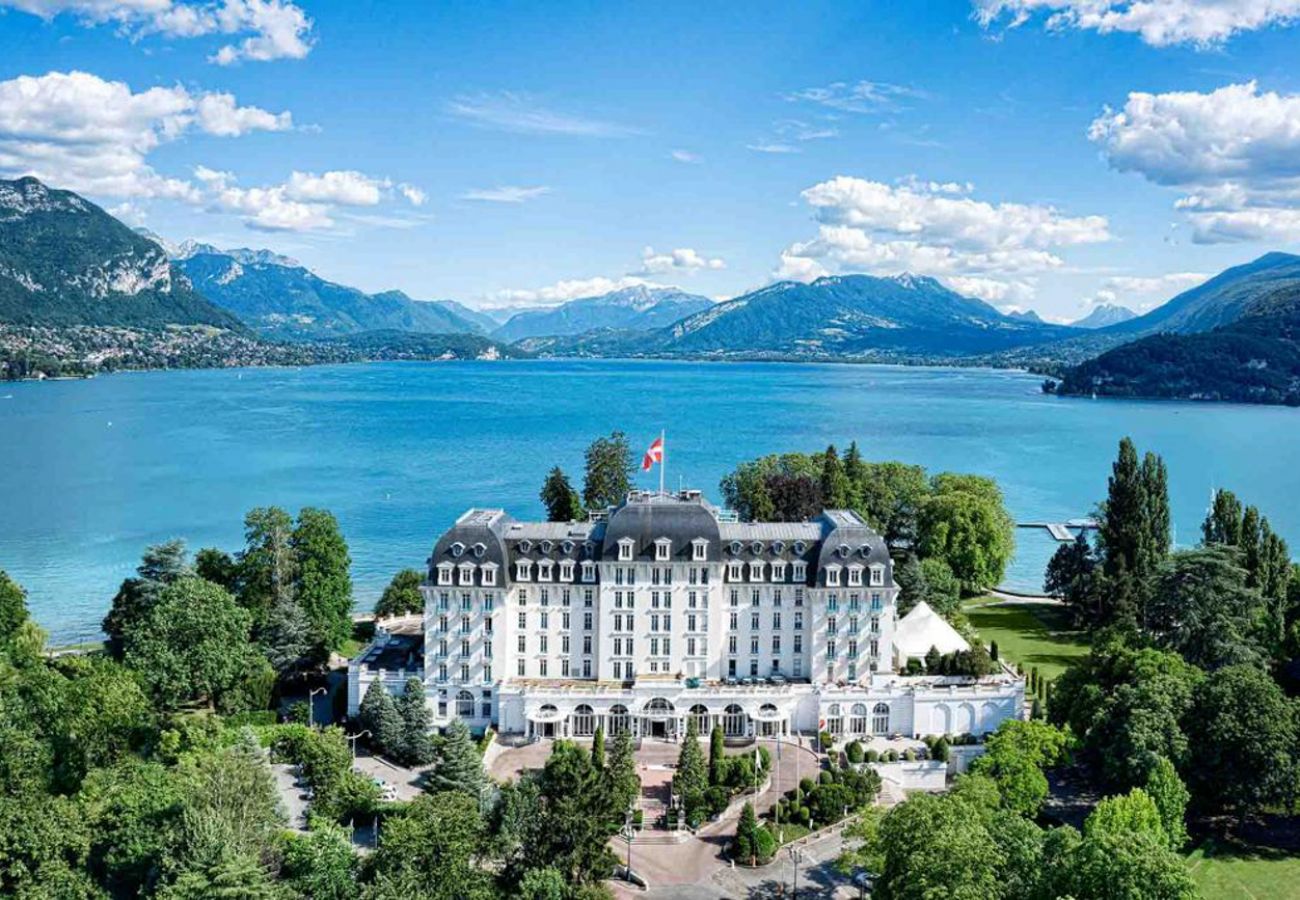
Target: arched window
{"type": "Point", "coordinates": [583, 721]}
{"type": "Point", "coordinates": [658, 708]}
{"type": "Point", "coordinates": [834, 724]}
{"type": "Point", "coordinates": [858, 719]}
{"type": "Point", "coordinates": [700, 715]}
{"type": "Point", "coordinates": [880, 719]}
{"type": "Point", "coordinates": [619, 720]}
{"type": "Point", "coordinates": [465, 705]}
{"type": "Point", "coordinates": [734, 721]}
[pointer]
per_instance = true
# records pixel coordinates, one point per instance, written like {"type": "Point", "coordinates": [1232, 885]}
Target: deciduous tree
{"type": "Point", "coordinates": [402, 596]}
{"type": "Point", "coordinates": [609, 468]}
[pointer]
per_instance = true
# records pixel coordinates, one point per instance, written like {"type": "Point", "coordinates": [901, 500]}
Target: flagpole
{"type": "Point", "coordinates": [663, 461]}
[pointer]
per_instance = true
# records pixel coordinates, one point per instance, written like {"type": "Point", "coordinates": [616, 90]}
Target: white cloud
{"type": "Point", "coordinates": [993, 291]}
{"type": "Point", "coordinates": [414, 195]}
{"type": "Point", "coordinates": [562, 291]}
{"type": "Point", "coordinates": [990, 250]}
{"type": "Point", "coordinates": [78, 131]}
{"type": "Point", "coordinates": [685, 156]}
{"type": "Point", "coordinates": [522, 114]}
{"type": "Point", "coordinates": [1234, 151]}
{"type": "Point", "coordinates": [508, 193]}
{"type": "Point", "coordinates": [683, 259]}
{"type": "Point", "coordinates": [306, 201]}
{"type": "Point", "coordinates": [857, 97]}
{"type": "Point", "coordinates": [771, 147]}
{"type": "Point", "coordinates": [1142, 292]}
{"type": "Point", "coordinates": [271, 29]}
{"type": "Point", "coordinates": [271, 209]}
{"type": "Point", "coordinates": [1159, 23]}
{"type": "Point", "coordinates": [347, 188]}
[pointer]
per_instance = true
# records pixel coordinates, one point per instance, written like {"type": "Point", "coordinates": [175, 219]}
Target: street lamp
{"type": "Point", "coordinates": [311, 718]}
{"type": "Point", "coordinates": [627, 836]}
{"type": "Point", "coordinates": [353, 739]}
{"type": "Point", "coordinates": [796, 857]}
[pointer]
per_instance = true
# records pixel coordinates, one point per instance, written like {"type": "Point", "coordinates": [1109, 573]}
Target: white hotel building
{"type": "Point", "coordinates": [667, 609]}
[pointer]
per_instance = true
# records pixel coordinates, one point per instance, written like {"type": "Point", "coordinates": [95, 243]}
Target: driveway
{"type": "Point", "coordinates": [291, 795]}
{"type": "Point", "coordinates": [409, 782]}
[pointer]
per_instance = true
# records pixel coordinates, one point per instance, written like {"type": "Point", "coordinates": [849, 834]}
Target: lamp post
{"type": "Point", "coordinates": [796, 856]}
{"type": "Point", "coordinates": [353, 739]}
{"type": "Point", "coordinates": [627, 836]}
{"type": "Point", "coordinates": [311, 718]}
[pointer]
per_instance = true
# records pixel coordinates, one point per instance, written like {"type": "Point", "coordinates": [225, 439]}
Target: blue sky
{"type": "Point", "coordinates": [528, 152]}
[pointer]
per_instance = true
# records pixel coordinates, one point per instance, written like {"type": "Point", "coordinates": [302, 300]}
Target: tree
{"type": "Point", "coordinates": [891, 495]}
{"type": "Point", "coordinates": [433, 851]}
{"type": "Point", "coordinates": [560, 499]}
{"type": "Point", "coordinates": [794, 498]}
{"type": "Point", "coordinates": [321, 864]}
{"type": "Point", "coordinates": [622, 784]}
{"type": "Point", "coordinates": [1244, 730]}
{"type": "Point", "coordinates": [1170, 796]}
{"type": "Point", "coordinates": [228, 876]}
{"type": "Point", "coordinates": [1202, 608]}
{"type": "Point", "coordinates": [416, 746]}
{"type": "Point", "coordinates": [160, 565]}
{"type": "Point", "coordinates": [402, 596]}
{"type": "Point", "coordinates": [131, 811]}
{"type": "Point", "coordinates": [268, 567]}
{"type": "Point", "coordinates": [937, 846]}
{"type": "Point", "coordinates": [1014, 758]}
{"type": "Point", "coordinates": [1127, 814]}
{"type": "Point", "coordinates": [598, 748]}
{"type": "Point", "coordinates": [609, 471]}
{"type": "Point", "coordinates": [928, 581]}
{"type": "Point", "coordinates": [192, 645]}
{"type": "Point", "coordinates": [692, 772]}
{"type": "Point", "coordinates": [1222, 523]}
{"type": "Point", "coordinates": [287, 638]}
{"type": "Point", "coordinates": [13, 607]}
{"type": "Point", "coordinates": [219, 567]}
{"type": "Point", "coordinates": [1125, 866]}
{"type": "Point", "coordinates": [834, 484]}
{"type": "Point", "coordinates": [574, 817]}
{"type": "Point", "coordinates": [717, 756]}
{"type": "Point", "coordinates": [752, 844]}
{"type": "Point", "coordinates": [965, 524]}
{"type": "Point", "coordinates": [1073, 574]}
{"type": "Point", "coordinates": [324, 587]}
{"type": "Point", "coordinates": [459, 766]}
{"type": "Point", "coordinates": [1133, 528]}
{"type": "Point", "coordinates": [855, 472]}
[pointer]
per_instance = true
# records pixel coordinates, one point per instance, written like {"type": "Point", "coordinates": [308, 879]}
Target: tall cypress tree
{"type": "Point", "coordinates": [1124, 513]}
{"type": "Point", "coordinates": [620, 779]}
{"type": "Point", "coordinates": [692, 773]}
{"type": "Point", "coordinates": [717, 756]}
{"type": "Point", "coordinates": [416, 744]}
{"type": "Point", "coordinates": [379, 716]}
{"type": "Point", "coordinates": [598, 748]}
{"type": "Point", "coordinates": [459, 766]}
{"type": "Point", "coordinates": [1222, 523]}
{"type": "Point", "coordinates": [560, 499]}
{"type": "Point", "coordinates": [834, 483]}
{"type": "Point", "coordinates": [324, 585]}
{"type": "Point", "coordinates": [1155, 482]}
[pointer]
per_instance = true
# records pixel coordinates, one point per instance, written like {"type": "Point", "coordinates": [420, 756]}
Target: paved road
{"type": "Point", "coordinates": [291, 795]}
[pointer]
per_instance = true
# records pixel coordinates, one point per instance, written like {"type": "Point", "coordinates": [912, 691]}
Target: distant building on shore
{"type": "Point", "coordinates": [666, 609]}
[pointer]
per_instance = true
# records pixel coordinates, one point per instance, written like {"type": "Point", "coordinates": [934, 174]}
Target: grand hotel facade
{"type": "Point", "coordinates": [666, 609]}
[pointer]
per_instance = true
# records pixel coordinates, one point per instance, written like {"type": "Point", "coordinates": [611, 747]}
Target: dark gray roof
{"type": "Point", "coordinates": [477, 537]}
{"type": "Point", "coordinates": [847, 540]}
{"type": "Point", "coordinates": [645, 518]}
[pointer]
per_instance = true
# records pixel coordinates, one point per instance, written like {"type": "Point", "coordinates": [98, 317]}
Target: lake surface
{"type": "Point", "coordinates": [92, 471]}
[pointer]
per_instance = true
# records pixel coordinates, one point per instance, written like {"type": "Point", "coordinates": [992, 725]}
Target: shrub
{"type": "Point", "coordinates": [941, 751]}
{"type": "Point", "coordinates": [716, 799]}
{"type": "Point", "coordinates": [824, 777]}
{"type": "Point", "coordinates": [298, 713]}
{"type": "Point", "coordinates": [909, 754]}
{"type": "Point", "coordinates": [914, 667]}
{"type": "Point", "coordinates": [873, 756]}
{"type": "Point", "coordinates": [826, 739]}
{"type": "Point", "coordinates": [806, 785]}
{"type": "Point", "coordinates": [854, 752]}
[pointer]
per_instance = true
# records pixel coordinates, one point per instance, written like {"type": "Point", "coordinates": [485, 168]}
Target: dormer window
{"type": "Point", "coordinates": [625, 549]}
{"type": "Point", "coordinates": [444, 573]}
{"type": "Point", "coordinates": [734, 571]}
{"type": "Point", "coordinates": [546, 546]}
{"type": "Point", "coordinates": [466, 573]}
{"type": "Point", "coordinates": [544, 570]}
{"type": "Point", "coordinates": [866, 550]}
{"type": "Point", "coordinates": [736, 547]}
{"type": "Point", "coordinates": [589, 549]}
{"type": "Point", "coordinates": [799, 570]}
{"type": "Point", "coordinates": [845, 551]}
{"type": "Point", "coordinates": [757, 547]}
{"type": "Point", "coordinates": [877, 576]}
{"type": "Point", "coordinates": [663, 549]}
{"type": "Point", "coordinates": [832, 576]}
{"type": "Point", "coordinates": [778, 547]}
{"type": "Point", "coordinates": [523, 570]}
{"type": "Point", "coordinates": [699, 549]}
{"type": "Point", "coordinates": [480, 549]}
{"type": "Point", "coordinates": [489, 574]}
{"type": "Point", "coordinates": [567, 547]}
{"type": "Point", "coordinates": [800, 548]}
{"type": "Point", "coordinates": [778, 571]}
{"type": "Point", "coordinates": [588, 571]}
{"type": "Point", "coordinates": [525, 545]}
{"type": "Point", "coordinates": [755, 571]}
{"type": "Point", "coordinates": [566, 570]}
{"type": "Point", "coordinates": [458, 549]}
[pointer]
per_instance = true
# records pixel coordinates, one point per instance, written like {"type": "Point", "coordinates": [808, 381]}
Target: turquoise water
{"type": "Point", "coordinates": [92, 471]}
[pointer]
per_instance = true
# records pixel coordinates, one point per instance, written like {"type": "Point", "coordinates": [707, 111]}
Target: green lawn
{"type": "Point", "coordinates": [1228, 874]}
{"type": "Point", "coordinates": [1032, 634]}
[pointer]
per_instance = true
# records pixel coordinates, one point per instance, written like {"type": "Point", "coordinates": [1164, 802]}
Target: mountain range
{"type": "Point", "coordinates": [636, 308]}
{"type": "Point", "coordinates": [1103, 315]}
{"type": "Point", "coordinates": [281, 299]}
{"type": "Point", "coordinates": [65, 261]}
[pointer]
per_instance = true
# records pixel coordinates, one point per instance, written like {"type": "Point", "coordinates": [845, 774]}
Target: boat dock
{"type": "Point", "coordinates": [1062, 531]}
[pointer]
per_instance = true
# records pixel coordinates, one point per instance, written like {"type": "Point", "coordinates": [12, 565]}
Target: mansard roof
{"type": "Point", "coordinates": [681, 518]}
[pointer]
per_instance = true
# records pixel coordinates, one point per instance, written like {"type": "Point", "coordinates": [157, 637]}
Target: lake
{"type": "Point", "coordinates": [92, 471]}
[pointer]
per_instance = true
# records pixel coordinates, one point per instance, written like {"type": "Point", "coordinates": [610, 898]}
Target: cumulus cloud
{"type": "Point", "coordinates": [1234, 152]}
{"type": "Point", "coordinates": [508, 193]}
{"type": "Point", "coordinates": [414, 195]}
{"type": "Point", "coordinates": [562, 291]}
{"type": "Point", "coordinates": [306, 201]}
{"type": "Point", "coordinates": [991, 250]}
{"type": "Point", "coordinates": [348, 188]}
{"type": "Point", "coordinates": [270, 29]}
{"type": "Point", "coordinates": [683, 259]}
{"type": "Point", "coordinates": [522, 114]}
{"type": "Point", "coordinates": [82, 132]}
{"type": "Point", "coordinates": [1160, 23]}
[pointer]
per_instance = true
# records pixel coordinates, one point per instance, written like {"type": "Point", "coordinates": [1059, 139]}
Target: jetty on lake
{"type": "Point", "coordinates": [1063, 531]}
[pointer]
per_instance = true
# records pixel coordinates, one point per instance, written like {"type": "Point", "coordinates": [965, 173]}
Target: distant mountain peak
{"type": "Point", "coordinates": [638, 307]}
{"type": "Point", "coordinates": [28, 195]}
{"type": "Point", "coordinates": [1104, 314]}
{"type": "Point", "coordinates": [188, 249]}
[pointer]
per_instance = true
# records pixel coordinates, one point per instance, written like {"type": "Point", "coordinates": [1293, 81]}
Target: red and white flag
{"type": "Point", "coordinates": [654, 455]}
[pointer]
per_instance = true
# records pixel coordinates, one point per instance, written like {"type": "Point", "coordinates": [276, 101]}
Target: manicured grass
{"type": "Point", "coordinates": [1032, 634]}
{"type": "Point", "coordinates": [1225, 873]}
